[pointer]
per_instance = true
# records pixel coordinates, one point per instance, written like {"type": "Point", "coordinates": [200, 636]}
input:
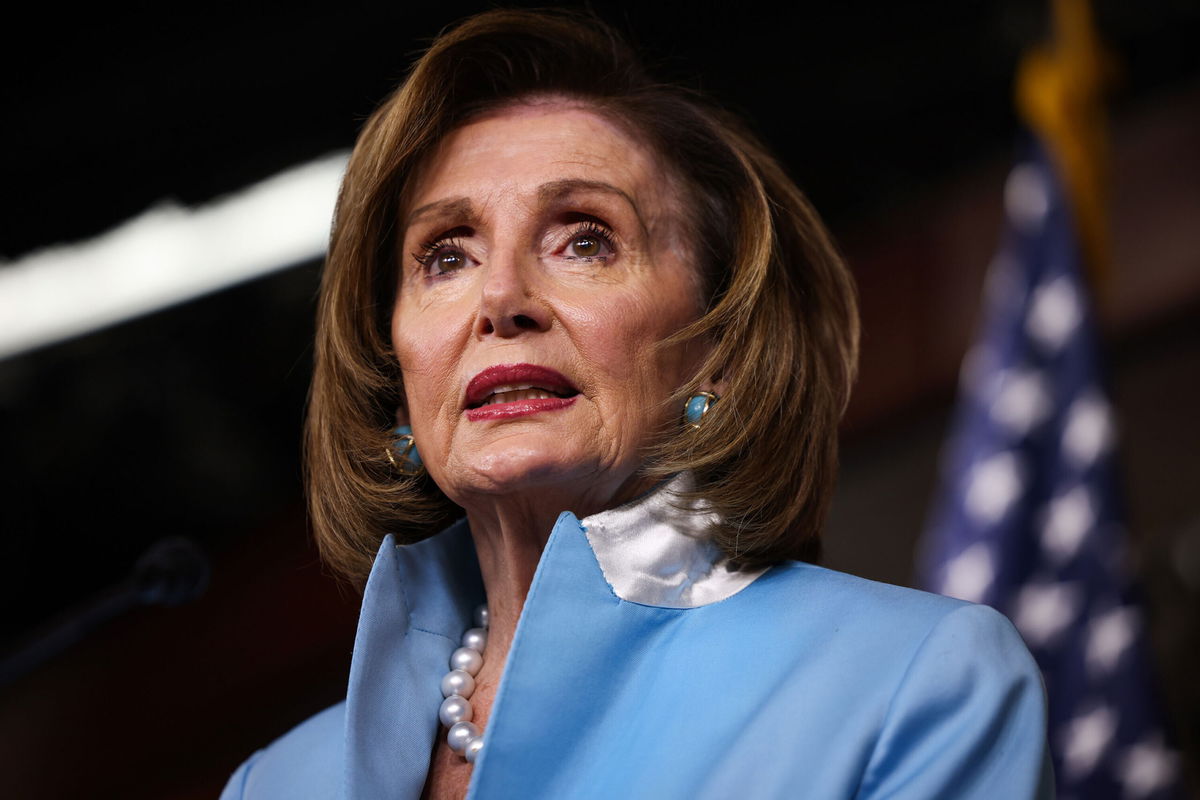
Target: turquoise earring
{"type": "Point", "coordinates": [697, 406]}
{"type": "Point", "coordinates": [403, 453]}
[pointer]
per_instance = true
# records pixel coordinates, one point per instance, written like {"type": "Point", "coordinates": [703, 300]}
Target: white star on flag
{"type": "Point", "coordinates": [1026, 196]}
{"type": "Point", "coordinates": [1089, 429]}
{"type": "Point", "coordinates": [1054, 313]}
{"type": "Point", "coordinates": [1109, 636]}
{"type": "Point", "coordinates": [1068, 519]}
{"type": "Point", "coordinates": [1086, 739]}
{"type": "Point", "coordinates": [970, 574]}
{"type": "Point", "coordinates": [994, 484]}
{"type": "Point", "coordinates": [1044, 609]}
{"type": "Point", "coordinates": [977, 364]}
{"type": "Point", "coordinates": [1022, 401]}
{"type": "Point", "coordinates": [1147, 767]}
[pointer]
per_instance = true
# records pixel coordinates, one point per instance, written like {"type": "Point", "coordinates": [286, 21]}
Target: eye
{"type": "Point", "coordinates": [441, 256]}
{"type": "Point", "coordinates": [589, 242]}
{"type": "Point", "coordinates": [445, 260]}
{"type": "Point", "coordinates": [585, 246]}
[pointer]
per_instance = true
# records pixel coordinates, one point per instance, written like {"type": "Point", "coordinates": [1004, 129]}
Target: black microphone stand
{"type": "Point", "coordinates": [172, 572]}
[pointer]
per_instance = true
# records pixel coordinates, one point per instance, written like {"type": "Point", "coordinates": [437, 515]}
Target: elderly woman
{"type": "Point", "coordinates": [589, 317]}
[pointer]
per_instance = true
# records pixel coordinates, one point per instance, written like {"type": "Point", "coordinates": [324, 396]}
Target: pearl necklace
{"type": "Point", "coordinates": [457, 687]}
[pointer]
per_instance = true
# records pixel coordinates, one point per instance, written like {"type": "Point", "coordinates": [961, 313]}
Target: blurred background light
{"type": "Point", "coordinates": [167, 255]}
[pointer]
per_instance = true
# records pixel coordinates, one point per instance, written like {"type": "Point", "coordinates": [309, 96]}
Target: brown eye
{"type": "Point", "coordinates": [440, 257]}
{"type": "Point", "coordinates": [447, 261]}
{"type": "Point", "coordinates": [586, 246]}
{"type": "Point", "coordinates": [443, 254]}
{"type": "Point", "coordinates": [590, 241]}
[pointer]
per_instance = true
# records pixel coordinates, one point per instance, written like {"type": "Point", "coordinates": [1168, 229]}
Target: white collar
{"type": "Point", "coordinates": [657, 550]}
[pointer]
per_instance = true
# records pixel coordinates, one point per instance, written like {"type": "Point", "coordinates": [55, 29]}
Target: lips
{"type": "Point", "coordinates": [515, 390]}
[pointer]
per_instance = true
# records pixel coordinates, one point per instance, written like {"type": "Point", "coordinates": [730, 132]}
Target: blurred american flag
{"type": "Point", "coordinates": [1029, 515]}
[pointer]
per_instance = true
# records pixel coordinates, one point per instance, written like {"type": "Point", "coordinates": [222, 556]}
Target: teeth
{"type": "Point", "coordinates": [515, 395]}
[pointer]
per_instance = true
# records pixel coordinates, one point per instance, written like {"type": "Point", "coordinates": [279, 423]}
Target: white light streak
{"type": "Point", "coordinates": [168, 255]}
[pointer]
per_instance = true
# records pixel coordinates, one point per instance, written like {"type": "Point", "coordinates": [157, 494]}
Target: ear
{"type": "Point", "coordinates": [717, 384]}
{"type": "Point", "coordinates": [402, 417]}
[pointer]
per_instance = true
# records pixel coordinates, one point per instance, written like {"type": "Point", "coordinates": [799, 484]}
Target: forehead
{"type": "Point", "coordinates": [515, 150]}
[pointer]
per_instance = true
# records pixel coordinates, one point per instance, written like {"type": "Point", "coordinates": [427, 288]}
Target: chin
{"type": "Point", "coordinates": [515, 471]}
{"type": "Point", "coordinates": [552, 469]}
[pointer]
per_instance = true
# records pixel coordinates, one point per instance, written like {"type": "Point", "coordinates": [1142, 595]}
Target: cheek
{"type": "Point", "coordinates": [618, 341]}
{"type": "Point", "coordinates": [426, 360]}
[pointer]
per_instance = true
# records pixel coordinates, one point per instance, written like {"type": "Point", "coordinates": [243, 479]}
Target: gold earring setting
{"type": "Point", "coordinates": [403, 454]}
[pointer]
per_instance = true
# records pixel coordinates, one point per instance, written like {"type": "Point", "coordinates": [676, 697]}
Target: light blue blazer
{"type": "Point", "coordinates": [643, 667]}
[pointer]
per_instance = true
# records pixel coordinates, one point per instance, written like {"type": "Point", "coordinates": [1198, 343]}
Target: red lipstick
{"type": "Point", "coordinates": [481, 402]}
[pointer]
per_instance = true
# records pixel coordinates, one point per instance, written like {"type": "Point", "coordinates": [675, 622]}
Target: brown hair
{"type": "Point", "coordinates": [780, 313]}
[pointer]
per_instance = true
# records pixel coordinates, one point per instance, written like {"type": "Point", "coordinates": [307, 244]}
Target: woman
{"type": "Point", "coordinates": [612, 336]}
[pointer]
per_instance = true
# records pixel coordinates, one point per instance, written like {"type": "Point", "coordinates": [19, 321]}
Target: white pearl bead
{"type": "Point", "coordinates": [467, 660]}
{"type": "Point", "coordinates": [459, 683]}
{"type": "Point", "coordinates": [455, 709]}
{"type": "Point", "coordinates": [472, 750]}
{"type": "Point", "coordinates": [476, 639]}
{"type": "Point", "coordinates": [461, 734]}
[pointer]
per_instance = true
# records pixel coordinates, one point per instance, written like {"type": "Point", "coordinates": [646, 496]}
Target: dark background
{"type": "Point", "coordinates": [896, 119]}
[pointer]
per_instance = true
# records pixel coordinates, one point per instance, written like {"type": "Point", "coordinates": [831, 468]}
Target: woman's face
{"type": "Point", "coordinates": [543, 260]}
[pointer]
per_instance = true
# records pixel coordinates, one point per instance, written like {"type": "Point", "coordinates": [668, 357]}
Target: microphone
{"type": "Point", "coordinates": [173, 571]}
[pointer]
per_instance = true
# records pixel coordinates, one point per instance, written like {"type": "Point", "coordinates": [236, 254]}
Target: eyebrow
{"type": "Point", "coordinates": [452, 207]}
{"type": "Point", "coordinates": [556, 190]}
{"type": "Point", "coordinates": [547, 193]}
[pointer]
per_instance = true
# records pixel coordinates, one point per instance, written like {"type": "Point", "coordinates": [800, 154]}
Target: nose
{"type": "Point", "coordinates": [508, 306]}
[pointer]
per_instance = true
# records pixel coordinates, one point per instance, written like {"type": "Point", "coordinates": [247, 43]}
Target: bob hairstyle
{"type": "Point", "coordinates": [780, 309]}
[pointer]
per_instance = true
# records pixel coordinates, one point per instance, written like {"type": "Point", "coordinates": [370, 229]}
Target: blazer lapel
{"type": "Point", "coordinates": [418, 601]}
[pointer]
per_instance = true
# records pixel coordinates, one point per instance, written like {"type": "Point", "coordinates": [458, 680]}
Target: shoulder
{"type": "Point", "coordinates": [901, 638]}
{"type": "Point", "coordinates": [306, 762]}
{"type": "Point", "coordinates": [959, 707]}
{"type": "Point", "coordinates": [866, 641]}
{"type": "Point", "coordinates": [808, 595]}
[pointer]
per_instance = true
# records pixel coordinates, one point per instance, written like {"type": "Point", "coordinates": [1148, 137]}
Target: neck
{"type": "Point", "coordinates": [509, 545]}
{"type": "Point", "coordinates": [510, 532]}
{"type": "Point", "coordinates": [510, 535]}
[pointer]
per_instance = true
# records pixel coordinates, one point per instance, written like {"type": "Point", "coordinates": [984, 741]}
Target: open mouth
{"type": "Point", "coordinates": [526, 384]}
{"type": "Point", "coordinates": [516, 394]}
